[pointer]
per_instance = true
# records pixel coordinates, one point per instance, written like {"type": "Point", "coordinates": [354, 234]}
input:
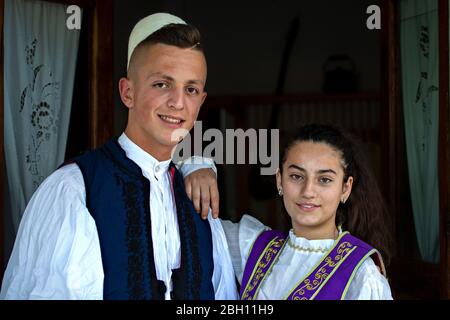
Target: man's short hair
{"type": "Point", "coordinates": [178, 35]}
{"type": "Point", "coordinates": [174, 34]}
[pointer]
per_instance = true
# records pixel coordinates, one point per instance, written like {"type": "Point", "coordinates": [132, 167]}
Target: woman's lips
{"type": "Point", "coordinates": [308, 207]}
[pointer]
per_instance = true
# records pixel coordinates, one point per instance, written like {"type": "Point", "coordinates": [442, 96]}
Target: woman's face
{"type": "Point", "coordinates": [312, 182]}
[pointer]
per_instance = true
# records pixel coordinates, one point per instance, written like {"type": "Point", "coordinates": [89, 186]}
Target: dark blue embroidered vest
{"type": "Point", "coordinates": [117, 196]}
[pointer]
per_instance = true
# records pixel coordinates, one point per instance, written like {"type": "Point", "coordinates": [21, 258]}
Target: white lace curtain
{"type": "Point", "coordinates": [39, 70]}
{"type": "Point", "coordinates": [420, 80]}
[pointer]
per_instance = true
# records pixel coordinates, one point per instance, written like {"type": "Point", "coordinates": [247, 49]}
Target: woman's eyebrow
{"type": "Point", "coordinates": [321, 171]}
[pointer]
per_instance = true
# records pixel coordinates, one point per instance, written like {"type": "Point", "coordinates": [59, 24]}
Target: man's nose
{"type": "Point", "coordinates": [176, 98]}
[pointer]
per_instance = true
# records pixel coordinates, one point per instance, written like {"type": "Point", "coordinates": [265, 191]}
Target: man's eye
{"type": "Point", "coordinates": [192, 91]}
{"type": "Point", "coordinates": [160, 85]}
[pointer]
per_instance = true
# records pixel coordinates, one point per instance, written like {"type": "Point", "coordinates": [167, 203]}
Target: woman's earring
{"type": "Point", "coordinates": [280, 192]}
{"type": "Point", "coordinates": [343, 200]}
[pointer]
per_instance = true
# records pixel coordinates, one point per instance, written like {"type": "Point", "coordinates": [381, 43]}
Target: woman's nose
{"type": "Point", "coordinates": [308, 189]}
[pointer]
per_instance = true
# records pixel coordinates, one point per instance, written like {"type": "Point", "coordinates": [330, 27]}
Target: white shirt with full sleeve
{"type": "Point", "coordinates": [294, 264]}
{"type": "Point", "coordinates": [57, 255]}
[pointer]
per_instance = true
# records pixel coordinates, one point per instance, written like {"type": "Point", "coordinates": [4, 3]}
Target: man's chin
{"type": "Point", "coordinates": [177, 136]}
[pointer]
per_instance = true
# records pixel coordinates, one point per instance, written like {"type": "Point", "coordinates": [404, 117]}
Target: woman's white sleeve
{"type": "Point", "coordinates": [369, 284]}
{"type": "Point", "coordinates": [240, 237]}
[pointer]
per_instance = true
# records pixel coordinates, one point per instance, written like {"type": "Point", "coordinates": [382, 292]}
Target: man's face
{"type": "Point", "coordinates": [164, 92]}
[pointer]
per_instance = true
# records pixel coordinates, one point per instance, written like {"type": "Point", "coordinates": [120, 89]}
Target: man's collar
{"type": "Point", "coordinates": [141, 157]}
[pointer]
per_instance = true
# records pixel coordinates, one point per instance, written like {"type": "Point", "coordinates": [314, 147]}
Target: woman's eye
{"type": "Point", "coordinates": [296, 177]}
{"type": "Point", "coordinates": [325, 180]}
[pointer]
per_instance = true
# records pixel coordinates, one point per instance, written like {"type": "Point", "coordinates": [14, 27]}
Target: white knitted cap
{"type": "Point", "coordinates": [146, 27]}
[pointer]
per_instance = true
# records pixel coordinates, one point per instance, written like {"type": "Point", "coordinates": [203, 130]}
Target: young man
{"type": "Point", "coordinates": [117, 223]}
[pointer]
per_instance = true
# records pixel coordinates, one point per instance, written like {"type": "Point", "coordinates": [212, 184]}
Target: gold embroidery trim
{"type": "Point", "coordinates": [273, 248]}
{"type": "Point", "coordinates": [321, 273]}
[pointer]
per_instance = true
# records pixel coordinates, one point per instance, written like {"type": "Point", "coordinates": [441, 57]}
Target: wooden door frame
{"type": "Point", "coordinates": [391, 115]}
{"type": "Point", "coordinates": [444, 153]}
{"type": "Point", "coordinates": [2, 157]}
{"type": "Point", "coordinates": [99, 15]}
{"type": "Point", "coordinates": [390, 99]}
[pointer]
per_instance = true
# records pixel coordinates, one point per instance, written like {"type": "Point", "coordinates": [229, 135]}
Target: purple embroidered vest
{"type": "Point", "coordinates": [328, 281]}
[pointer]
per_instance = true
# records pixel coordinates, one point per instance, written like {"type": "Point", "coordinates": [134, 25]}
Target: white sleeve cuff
{"type": "Point", "coordinates": [195, 163]}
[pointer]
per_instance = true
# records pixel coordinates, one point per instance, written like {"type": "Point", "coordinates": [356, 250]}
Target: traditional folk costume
{"type": "Point", "coordinates": [279, 266]}
{"type": "Point", "coordinates": [117, 225]}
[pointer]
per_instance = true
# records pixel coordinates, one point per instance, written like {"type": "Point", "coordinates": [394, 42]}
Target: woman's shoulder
{"type": "Point", "coordinates": [249, 222]}
{"type": "Point", "coordinates": [368, 283]}
{"type": "Point", "coordinates": [374, 254]}
{"type": "Point", "coordinates": [247, 228]}
{"type": "Point", "coordinates": [250, 228]}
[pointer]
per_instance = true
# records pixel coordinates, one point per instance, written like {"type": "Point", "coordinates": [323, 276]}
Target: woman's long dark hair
{"type": "Point", "coordinates": [364, 213]}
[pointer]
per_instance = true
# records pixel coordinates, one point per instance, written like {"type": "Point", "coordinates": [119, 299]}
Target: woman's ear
{"type": "Point", "coordinates": [278, 177]}
{"type": "Point", "coordinates": [347, 188]}
{"type": "Point", "coordinates": [126, 92]}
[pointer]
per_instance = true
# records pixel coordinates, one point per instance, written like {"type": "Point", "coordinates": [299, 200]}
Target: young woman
{"type": "Point", "coordinates": [338, 219]}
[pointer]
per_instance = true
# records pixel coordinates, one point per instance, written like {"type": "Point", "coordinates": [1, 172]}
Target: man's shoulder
{"type": "Point", "coordinates": [66, 177]}
{"type": "Point", "coordinates": [61, 192]}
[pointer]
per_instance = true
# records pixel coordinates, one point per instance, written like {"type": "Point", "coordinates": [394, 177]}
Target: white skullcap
{"type": "Point", "coordinates": [146, 27]}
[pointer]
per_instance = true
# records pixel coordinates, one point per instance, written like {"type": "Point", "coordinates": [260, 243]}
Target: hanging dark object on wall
{"type": "Point", "coordinates": [263, 187]}
{"type": "Point", "coordinates": [340, 74]}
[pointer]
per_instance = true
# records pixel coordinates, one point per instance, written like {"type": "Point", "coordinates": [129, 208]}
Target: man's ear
{"type": "Point", "coordinates": [203, 98]}
{"type": "Point", "coordinates": [126, 92]}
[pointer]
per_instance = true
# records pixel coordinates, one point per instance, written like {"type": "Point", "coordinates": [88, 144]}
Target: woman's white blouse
{"type": "Point", "coordinates": [293, 265]}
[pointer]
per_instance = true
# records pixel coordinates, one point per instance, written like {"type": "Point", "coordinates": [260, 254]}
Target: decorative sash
{"type": "Point", "coordinates": [263, 254]}
{"type": "Point", "coordinates": [329, 280]}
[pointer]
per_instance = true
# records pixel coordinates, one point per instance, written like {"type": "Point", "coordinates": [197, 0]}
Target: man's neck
{"type": "Point", "coordinates": [161, 153]}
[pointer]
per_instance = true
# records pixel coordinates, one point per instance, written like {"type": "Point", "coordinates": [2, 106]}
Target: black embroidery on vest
{"type": "Point", "coordinates": [135, 228]}
{"type": "Point", "coordinates": [190, 260]}
{"type": "Point", "coordinates": [195, 262]}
